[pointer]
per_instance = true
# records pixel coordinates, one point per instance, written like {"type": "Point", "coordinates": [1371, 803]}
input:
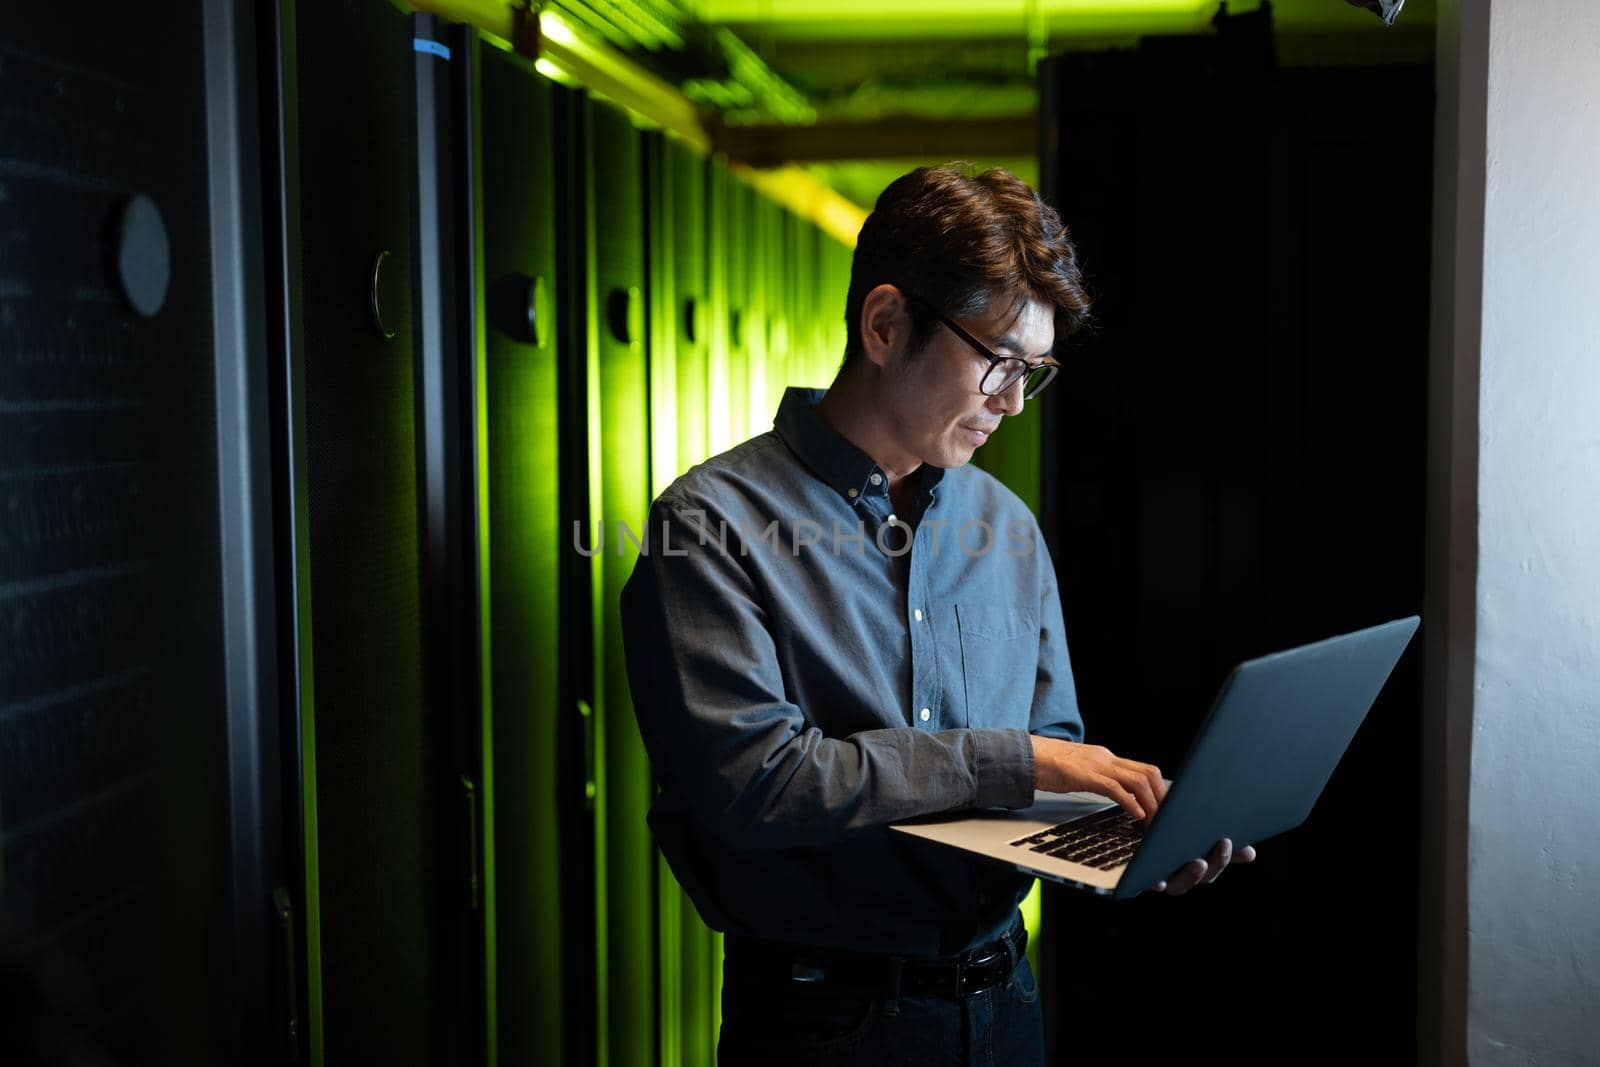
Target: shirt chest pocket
{"type": "Point", "coordinates": [999, 662]}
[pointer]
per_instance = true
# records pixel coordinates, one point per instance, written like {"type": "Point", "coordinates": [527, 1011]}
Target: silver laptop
{"type": "Point", "coordinates": [1260, 760]}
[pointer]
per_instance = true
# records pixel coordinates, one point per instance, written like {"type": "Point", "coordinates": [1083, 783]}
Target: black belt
{"type": "Point", "coordinates": [830, 972]}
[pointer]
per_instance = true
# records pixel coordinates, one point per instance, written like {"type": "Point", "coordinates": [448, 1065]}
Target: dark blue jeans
{"type": "Point", "coordinates": [1002, 1027]}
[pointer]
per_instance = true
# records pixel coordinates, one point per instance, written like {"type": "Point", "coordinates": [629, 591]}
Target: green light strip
{"type": "Point", "coordinates": [663, 405]}
{"type": "Point", "coordinates": [669, 932]}
{"type": "Point", "coordinates": [481, 491]}
{"type": "Point", "coordinates": [718, 237]}
{"type": "Point", "coordinates": [917, 17]}
{"type": "Point", "coordinates": [597, 616]}
{"type": "Point", "coordinates": [1032, 920]}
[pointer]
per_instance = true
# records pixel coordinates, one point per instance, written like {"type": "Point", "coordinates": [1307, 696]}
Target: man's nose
{"type": "Point", "coordinates": [1007, 401]}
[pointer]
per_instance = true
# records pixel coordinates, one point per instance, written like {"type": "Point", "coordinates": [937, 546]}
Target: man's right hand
{"type": "Point", "coordinates": [1068, 767]}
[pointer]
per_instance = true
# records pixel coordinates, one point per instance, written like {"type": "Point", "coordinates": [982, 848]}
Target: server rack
{"type": "Point", "coordinates": [539, 914]}
{"type": "Point", "coordinates": [675, 187]}
{"type": "Point", "coordinates": [619, 466]}
{"type": "Point", "coordinates": [451, 360]}
{"type": "Point", "coordinates": [361, 448]}
{"type": "Point", "coordinates": [1236, 466]}
{"type": "Point", "coordinates": [577, 725]}
{"type": "Point", "coordinates": [437, 309]}
{"type": "Point", "coordinates": [136, 806]}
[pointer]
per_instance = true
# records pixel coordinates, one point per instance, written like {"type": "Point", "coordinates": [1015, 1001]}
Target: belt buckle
{"type": "Point", "coordinates": [968, 971]}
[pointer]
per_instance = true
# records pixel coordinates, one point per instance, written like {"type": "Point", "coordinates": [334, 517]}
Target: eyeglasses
{"type": "Point", "coordinates": [1004, 371]}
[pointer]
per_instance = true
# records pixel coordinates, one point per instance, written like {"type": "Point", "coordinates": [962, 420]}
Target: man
{"type": "Point", "coordinates": [839, 624]}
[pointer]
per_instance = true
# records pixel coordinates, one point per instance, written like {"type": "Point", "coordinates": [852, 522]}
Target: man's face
{"type": "Point", "coordinates": [934, 402]}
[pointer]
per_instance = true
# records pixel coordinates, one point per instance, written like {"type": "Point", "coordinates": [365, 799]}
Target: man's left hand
{"type": "Point", "coordinates": [1197, 872]}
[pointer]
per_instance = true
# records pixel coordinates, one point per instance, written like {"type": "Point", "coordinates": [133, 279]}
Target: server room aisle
{"type": "Point", "coordinates": [344, 345]}
{"type": "Point", "coordinates": [329, 339]}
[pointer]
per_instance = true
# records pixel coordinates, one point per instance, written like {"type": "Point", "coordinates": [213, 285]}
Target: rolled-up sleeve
{"type": "Point", "coordinates": [747, 762]}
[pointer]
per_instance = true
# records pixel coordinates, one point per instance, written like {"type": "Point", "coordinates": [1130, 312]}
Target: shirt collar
{"type": "Point", "coordinates": [829, 453]}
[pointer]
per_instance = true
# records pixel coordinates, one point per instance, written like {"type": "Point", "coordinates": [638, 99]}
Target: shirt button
{"type": "Point", "coordinates": [876, 479]}
{"type": "Point", "coordinates": [917, 614]}
{"type": "Point", "coordinates": [926, 714]}
{"type": "Point", "coordinates": [851, 493]}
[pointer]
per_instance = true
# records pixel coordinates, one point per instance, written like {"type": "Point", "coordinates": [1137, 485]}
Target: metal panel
{"type": "Point", "coordinates": [524, 458]}
{"type": "Point", "coordinates": [619, 466]}
{"type": "Point", "coordinates": [265, 1013]}
{"type": "Point", "coordinates": [699, 964]}
{"type": "Point", "coordinates": [676, 220]}
{"type": "Point", "coordinates": [450, 378]}
{"type": "Point", "coordinates": [113, 694]}
{"type": "Point", "coordinates": [663, 228]}
{"type": "Point", "coordinates": [372, 789]}
{"type": "Point", "coordinates": [577, 331]}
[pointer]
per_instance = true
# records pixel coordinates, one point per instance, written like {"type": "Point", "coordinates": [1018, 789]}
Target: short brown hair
{"type": "Point", "coordinates": [957, 240]}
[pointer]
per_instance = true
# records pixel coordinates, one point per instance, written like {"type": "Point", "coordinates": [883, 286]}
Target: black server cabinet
{"type": "Point", "coordinates": [619, 419]}
{"type": "Point", "coordinates": [490, 287]}
{"type": "Point", "coordinates": [1234, 463]}
{"type": "Point", "coordinates": [136, 794]}
{"type": "Point", "coordinates": [604, 428]}
{"type": "Point", "coordinates": [454, 544]}
{"type": "Point", "coordinates": [676, 263]}
{"type": "Point", "coordinates": [576, 727]}
{"type": "Point", "coordinates": [535, 797]}
{"type": "Point", "coordinates": [373, 642]}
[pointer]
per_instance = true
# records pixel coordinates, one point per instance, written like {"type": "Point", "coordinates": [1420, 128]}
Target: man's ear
{"type": "Point", "coordinates": [885, 325]}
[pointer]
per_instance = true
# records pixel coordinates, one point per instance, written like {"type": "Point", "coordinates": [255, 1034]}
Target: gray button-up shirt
{"type": "Point", "coordinates": [808, 667]}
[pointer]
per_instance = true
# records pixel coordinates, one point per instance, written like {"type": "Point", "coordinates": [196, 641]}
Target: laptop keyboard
{"type": "Point", "coordinates": [1103, 840]}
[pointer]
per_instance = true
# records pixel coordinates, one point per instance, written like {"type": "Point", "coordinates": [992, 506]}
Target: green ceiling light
{"type": "Point", "coordinates": [717, 95]}
{"type": "Point", "coordinates": [582, 15]}
{"type": "Point", "coordinates": [776, 99]}
{"type": "Point", "coordinates": [630, 22]}
{"type": "Point", "coordinates": [814, 20]}
{"type": "Point", "coordinates": [935, 18]}
{"type": "Point", "coordinates": [555, 73]}
{"type": "Point", "coordinates": [916, 11]}
{"type": "Point", "coordinates": [603, 70]}
{"type": "Point", "coordinates": [674, 45]}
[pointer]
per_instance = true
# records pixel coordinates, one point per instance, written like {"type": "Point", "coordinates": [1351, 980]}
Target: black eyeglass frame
{"type": "Point", "coordinates": [994, 358]}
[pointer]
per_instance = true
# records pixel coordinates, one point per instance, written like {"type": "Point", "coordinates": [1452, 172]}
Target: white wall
{"type": "Point", "coordinates": [1533, 837]}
